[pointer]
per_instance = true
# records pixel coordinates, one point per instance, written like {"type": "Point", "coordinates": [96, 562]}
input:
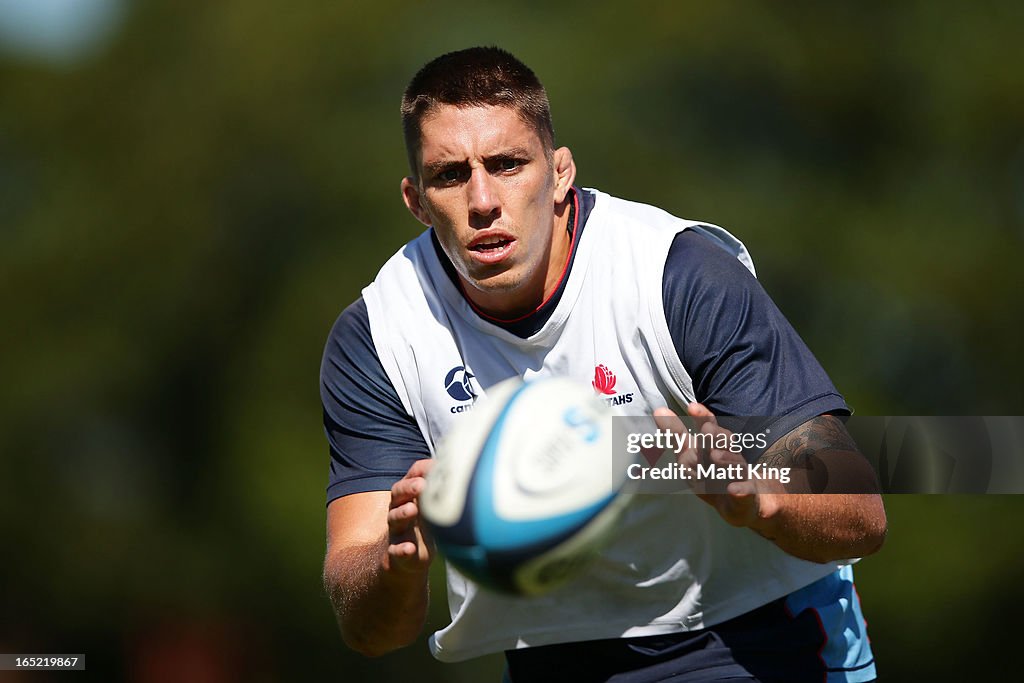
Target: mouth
{"type": "Point", "coordinates": [492, 248]}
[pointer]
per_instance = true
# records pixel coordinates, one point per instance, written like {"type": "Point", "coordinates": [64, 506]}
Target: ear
{"type": "Point", "coordinates": [411, 197]}
{"type": "Point", "coordinates": [565, 173]}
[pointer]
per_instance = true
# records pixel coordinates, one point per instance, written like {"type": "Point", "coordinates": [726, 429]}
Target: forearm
{"type": "Point", "coordinates": [833, 510]}
{"type": "Point", "coordinates": [822, 527]}
{"type": "Point", "coordinates": [379, 608]}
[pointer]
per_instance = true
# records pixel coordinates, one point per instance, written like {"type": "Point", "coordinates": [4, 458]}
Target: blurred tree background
{"type": "Point", "coordinates": [191, 192]}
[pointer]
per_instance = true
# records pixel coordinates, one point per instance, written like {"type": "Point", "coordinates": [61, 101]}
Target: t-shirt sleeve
{"type": "Point", "coordinates": [743, 356]}
{"type": "Point", "coordinates": [372, 439]}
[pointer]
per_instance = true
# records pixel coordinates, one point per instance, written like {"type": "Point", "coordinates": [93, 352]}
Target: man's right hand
{"type": "Point", "coordinates": [376, 569]}
{"type": "Point", "coordinates": [409, 545]}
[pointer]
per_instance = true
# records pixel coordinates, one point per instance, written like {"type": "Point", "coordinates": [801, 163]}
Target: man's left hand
{"type": "Point", "coordinates": [741, 502]}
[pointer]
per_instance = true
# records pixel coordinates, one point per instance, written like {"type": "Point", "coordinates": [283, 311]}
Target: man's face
{"type": "Point", "coordinates": [490, 192]}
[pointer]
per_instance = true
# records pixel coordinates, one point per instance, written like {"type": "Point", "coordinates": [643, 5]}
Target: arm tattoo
{"type": "Point", "coordinates": [797, 448]}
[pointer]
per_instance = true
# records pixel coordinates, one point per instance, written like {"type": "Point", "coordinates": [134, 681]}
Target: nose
{"type": "Point", "coordinates": [483, 198]}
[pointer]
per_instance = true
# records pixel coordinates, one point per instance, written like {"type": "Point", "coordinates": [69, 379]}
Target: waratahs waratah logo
{"type": "Point", "coordinates": [604, 380]}
{"type": "Point", "coordinates": [457, 383]}
{"type": "Point", "coordinates": [604, 385]}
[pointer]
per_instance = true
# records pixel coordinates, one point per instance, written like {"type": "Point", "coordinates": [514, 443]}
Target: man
{"type": "Point", "coordinates": [521, 273]}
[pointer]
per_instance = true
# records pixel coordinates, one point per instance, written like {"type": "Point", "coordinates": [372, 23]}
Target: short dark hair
{"type": "Point", "coordinates": [477, 76]}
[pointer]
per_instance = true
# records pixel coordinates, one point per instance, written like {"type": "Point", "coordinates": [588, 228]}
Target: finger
{"type": "Point", "coordinates": [667, 419]}
{"type": "Point", "coordinates": [707, 438]}
{"type": "Point", "coordinates": [695, 409]}
{"type": "Point", "coordinates": [411, 551]}
{"type": "Point", "coordinates": [411, 485]}
{"type": "Point", "coordinates": [408, 556]}
{"type": "Point", "coordinates": [719, 448]}
{"type": "Point", "coordinates": [736, 509]}
{"type": "Point", "coordinates": [401, 518]}
{"type": "Point", "coordinates": [403, 549]}
{"type": "Point", "coordinates": [405, 490]}
{"type": "Point", "coordinates": [741, 489]}
{"type": "Point", "coordinates": [700, 413]}
{"type": "Point", "coordinates": [726, 457]}
{"type": "Point", "coordinates": [740, 503]}
{"type": "Point", "coordinates": [420, 468]}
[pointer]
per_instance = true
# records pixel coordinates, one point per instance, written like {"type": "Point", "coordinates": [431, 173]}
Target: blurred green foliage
{"type": "Point", "coordinates": [184, 213]}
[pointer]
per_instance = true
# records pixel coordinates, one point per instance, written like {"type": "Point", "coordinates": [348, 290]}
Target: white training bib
{"type": "Point", "coordinates": [674, 565]}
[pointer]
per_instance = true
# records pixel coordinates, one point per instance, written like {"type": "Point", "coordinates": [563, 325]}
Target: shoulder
{"type": "Point", "coordinates": [642, 226]}
{"type": "Point", "coordinates": [350, 335]}
{"type": "Point", "coordinates": [372, 438]}
{"type": "Point", "coordinates": [353, 321]}
{"type": "Point", "coordinates": [699, 265]}
{"type": "Point", "coordinates": [743, 355]}
{"type": "Point", "coordinates": [635, 214]}
{"type": "Point", "coordinates": [714, 306]}
{"type": "Point", "coordinates": [351, 365]}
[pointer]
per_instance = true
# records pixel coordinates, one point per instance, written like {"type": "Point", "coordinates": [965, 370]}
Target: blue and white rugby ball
{"type": "Point", "coordinates": [524, 492]}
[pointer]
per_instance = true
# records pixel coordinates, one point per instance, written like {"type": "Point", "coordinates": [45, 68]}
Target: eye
{"type": "Point", "coordinates": [508, 164]}
{"type": "Point", "coordinates": [449, 175]}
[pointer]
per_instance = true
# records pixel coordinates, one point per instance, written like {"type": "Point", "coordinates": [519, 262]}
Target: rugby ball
{"type": "Point", "coordinates": [524, 491]}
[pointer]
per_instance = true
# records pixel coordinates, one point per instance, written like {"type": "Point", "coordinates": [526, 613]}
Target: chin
{"type": "Point", "coordinates": [496, 278]}
{"type": "Point", "coordinates": [501, 285]}
{"type": "Point", "coordinates": [498, 285]}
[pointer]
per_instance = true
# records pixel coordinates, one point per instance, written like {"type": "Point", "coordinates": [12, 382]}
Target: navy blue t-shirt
{"type": "Point", "coordinates": [743, 356]}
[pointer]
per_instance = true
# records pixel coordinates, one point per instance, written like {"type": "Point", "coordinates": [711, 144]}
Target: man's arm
{"type": "Point", "coordinates": [375, 568]}
{"type": "Point", "coordinates": [820, 527]}
{"type": "Point", "coordinates": [745, 359]}
{"type": "Point", "coordinates": [377, 565]}
{"type": "Point", "coordinates": [824, 526]}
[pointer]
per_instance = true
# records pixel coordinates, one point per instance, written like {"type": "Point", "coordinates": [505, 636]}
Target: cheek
{"type": "Point", "coordinates": [429, 206]}
{"type": "Point", "coordinates": [447, 239]}
{"type": "Point", "coordinates": [451, 249]}
{"type": "Point", "coordinates": [430, 198]}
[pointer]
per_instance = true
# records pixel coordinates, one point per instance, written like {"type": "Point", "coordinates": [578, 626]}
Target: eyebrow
{"type": "Point", "coordinates": [438, 166]}
{"type": "Point", "coordinates": [507, 153]}
{"type": "Point", "coordinates": [511, 152]}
